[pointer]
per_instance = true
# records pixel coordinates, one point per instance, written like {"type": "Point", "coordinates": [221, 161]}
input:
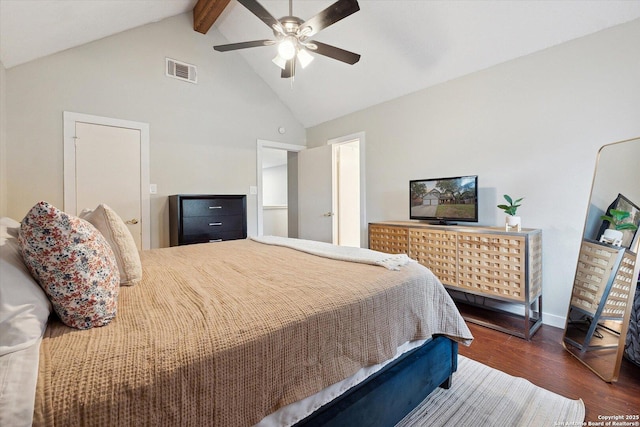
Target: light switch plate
{"type": "Point", "coordinates": [253, 189]}
{"type": "Point", "coordinates": [153, 189]}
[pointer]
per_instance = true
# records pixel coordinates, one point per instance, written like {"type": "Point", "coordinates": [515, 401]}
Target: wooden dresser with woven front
{"type": "Point", "coordinates": [480, 266]}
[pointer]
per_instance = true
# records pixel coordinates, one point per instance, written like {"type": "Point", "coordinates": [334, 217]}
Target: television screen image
{"type": "Point", "coordinates": [444, 199]}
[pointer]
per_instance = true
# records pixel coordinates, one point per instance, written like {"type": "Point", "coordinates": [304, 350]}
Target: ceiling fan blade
{"type": "Point", "coordinates": [243, 45]}
{"type": "Point", "coordinates": [335, 53]}
{"type": "Point", "coordinates": [334, 13]}
{"type": "Point", "coordinates": [289, 69]}
{"type": "Point", "coordinates": [262, 13]}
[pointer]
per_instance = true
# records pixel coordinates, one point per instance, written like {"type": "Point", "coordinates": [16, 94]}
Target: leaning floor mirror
{"type": "Point", "coordinates": [606, 276]}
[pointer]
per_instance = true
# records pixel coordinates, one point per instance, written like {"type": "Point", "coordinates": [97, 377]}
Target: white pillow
{"type": "Point", "coordinates": [24, 307]}
{"type": "Point", "coordinates": [117, 234]}
{"type": "Point", "coordinates": [8, 228]}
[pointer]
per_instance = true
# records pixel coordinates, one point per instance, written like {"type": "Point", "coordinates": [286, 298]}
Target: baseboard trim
{"type": "Point", "coordinates": [554, 320]}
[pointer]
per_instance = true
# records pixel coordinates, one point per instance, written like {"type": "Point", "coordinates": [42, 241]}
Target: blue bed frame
{"type": "Point", "coordinates": [387, 396]}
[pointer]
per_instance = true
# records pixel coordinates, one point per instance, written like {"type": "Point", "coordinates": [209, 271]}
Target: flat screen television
{"type": "Point", "coordinates": [444, 200]}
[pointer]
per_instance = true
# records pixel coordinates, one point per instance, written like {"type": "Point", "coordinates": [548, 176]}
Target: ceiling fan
{"type": "Point", "coordinates": [293, 35]}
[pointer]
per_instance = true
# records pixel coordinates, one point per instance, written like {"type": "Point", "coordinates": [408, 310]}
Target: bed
{"type": "Point", "coordinates": [249, 332]}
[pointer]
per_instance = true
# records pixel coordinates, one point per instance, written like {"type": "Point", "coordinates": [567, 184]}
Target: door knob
{"type": "Point", "coordinates": [328, 214]}
{"type": "Point", "coordinates": [132, 221]}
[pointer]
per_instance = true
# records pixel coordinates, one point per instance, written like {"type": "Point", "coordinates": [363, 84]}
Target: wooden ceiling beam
{"type": "Point", "coordinates": [205, 13]}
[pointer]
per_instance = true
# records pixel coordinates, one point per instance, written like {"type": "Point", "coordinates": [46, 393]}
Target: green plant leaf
{"type": "Point", "coordinates": [617, 217]}
{"type": "Point", "coordinates": [626, 226]}
{"type": "Point", "coordinates": [619, 214]}
{"type": "Point", "coordinates": [607, 218]}
{"type": "Point", "coordinates": [512, 207]}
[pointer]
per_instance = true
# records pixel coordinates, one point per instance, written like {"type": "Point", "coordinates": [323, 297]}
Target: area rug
{"type": "Point", "coordinates": [482, 396]}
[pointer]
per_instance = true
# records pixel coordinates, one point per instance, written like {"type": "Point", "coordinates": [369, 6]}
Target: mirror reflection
{"type": "Point", "coordinates": [607, 269]}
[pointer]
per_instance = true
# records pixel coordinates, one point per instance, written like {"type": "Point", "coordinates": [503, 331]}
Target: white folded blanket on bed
{"type": "Point", "coordinates": [341, 253]}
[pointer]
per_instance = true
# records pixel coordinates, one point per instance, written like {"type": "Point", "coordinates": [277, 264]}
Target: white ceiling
{"type": "Point", "coordinates": [405, 45]}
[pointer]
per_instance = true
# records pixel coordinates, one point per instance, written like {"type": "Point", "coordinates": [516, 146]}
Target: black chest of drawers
{"type": "Point", "coordinates": [207, 218]}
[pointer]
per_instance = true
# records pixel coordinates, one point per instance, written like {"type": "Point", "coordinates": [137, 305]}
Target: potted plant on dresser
{"type": "Point", "coordinates": [511, 220]}
{"type": "Point", "coordinates": [617, 219]}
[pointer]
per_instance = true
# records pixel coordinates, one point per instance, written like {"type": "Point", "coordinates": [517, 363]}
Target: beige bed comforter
{"type": "Point", "coordinates": [224, 334]}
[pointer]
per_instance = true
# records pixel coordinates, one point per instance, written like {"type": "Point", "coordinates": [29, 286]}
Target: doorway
{"type": "Point", "coordinates": [331, 192]}
{"type": "Point", "coordinates": [107, 161]}
{"type": "Point", "coordinates": [346, 193]}
{"type": "Point", "coordinates": [275, 218]}
{"type": "Point", "coordinates": [277, 188]}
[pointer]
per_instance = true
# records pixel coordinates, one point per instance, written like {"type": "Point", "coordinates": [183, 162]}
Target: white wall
{"type": "Point", "coordinates": [3, 142]}
{"type": "Point", "coordinates": [274, 201]}
{"type": "Point", "coordinates": [530, 127]}
{"type": "Point", "coordinates": [274, 186]}
{"type": "Point", "coordinates": [202, 137]}
{"type": "Point", "coordinates": [275, 221]}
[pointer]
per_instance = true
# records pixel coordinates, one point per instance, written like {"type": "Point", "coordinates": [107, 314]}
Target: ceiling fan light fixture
{"type": "Point", "coordinates": [304, 31]}
{"type": "Point", "coordinates": [310, 46]}
{"type": "Point", "coordinates": [287, 47]}
{"type": "Point", "coordinates": [277, 28]}
{"type": "Point", "coordinates": [304, 57]}
{"type": "Point", "coordinates": [280, 61]}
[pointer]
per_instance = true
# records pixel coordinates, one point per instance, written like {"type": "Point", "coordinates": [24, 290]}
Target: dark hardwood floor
{"type": "Point", "coordinates": [546, 363]}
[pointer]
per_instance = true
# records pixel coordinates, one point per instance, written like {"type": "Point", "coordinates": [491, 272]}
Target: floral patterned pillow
{"type": "Point", "coordinates": [74, 265]}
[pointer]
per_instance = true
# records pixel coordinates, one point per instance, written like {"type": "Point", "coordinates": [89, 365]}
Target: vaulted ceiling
{"type": "Point", "coordinates": [406, 45]}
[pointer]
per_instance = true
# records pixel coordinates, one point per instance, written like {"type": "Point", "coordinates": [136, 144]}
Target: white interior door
{"type": "Point", "coordinates": [330, 192]}
{"type": "Point", "coordinates": [106, 161]}
{"type": "Point", "coordinates": [315, 196]}
{"type": "Point", "coordinates": [108, 171]}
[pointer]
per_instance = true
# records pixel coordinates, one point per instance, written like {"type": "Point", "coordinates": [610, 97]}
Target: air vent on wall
{"type": "Point", "coordinates": [181, 71]}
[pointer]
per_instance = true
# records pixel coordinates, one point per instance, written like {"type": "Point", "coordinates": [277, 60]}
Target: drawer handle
{"type": "Point", "coordinates": [215, 240]}
{"type": "Point", "coordinates": [215, 207]}
{"type": "Point", "coordinates": [215, 223]}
